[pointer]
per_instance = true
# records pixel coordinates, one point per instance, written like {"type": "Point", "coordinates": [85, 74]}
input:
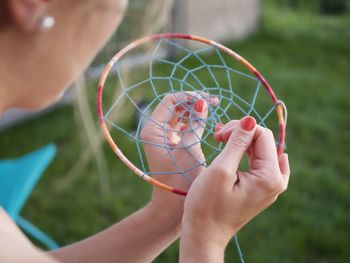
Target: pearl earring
{"type": "Point", "coordinates": [47, 22]}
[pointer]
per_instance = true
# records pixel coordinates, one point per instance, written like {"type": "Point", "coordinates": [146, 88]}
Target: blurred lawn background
{"type": "Point", "coordinates": [304, 52]}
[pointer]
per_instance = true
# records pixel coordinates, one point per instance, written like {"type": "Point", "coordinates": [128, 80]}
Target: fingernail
{"type": "Point", "coordinates": [186, 114]}
{"type": "Point", "coordinates": [173, 139]}
{"type": "Point", "coordinates": [214, 100]}
{"type": "Point", "coordinates": [183, 127]}
{"type": "Point", "coordinates": [218, 126]}
{"type": "Point", "coordinates": [179, 108]}
{"type": "Point", "coordinates": [248, 123]}
{"type": "Point", "coordinates": [199, 106]}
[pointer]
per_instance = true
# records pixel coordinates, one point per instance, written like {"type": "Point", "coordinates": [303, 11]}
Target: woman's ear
{"type": "Point", "coordinates": [27, 14]}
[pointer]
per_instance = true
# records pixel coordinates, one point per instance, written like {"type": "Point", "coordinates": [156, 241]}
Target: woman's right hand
{"type": "Point", "coordinates": [223, 199]}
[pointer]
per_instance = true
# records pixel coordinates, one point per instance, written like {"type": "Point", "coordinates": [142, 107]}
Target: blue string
{"type": "Point", "coordinates": [238, 247]}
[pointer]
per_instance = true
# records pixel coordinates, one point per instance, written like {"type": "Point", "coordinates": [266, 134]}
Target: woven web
{"type": "Point", "coordinates": [204, 70]}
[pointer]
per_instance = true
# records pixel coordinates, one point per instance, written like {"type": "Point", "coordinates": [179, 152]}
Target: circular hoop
{"type": "Point", "coordinates": [280, 107]}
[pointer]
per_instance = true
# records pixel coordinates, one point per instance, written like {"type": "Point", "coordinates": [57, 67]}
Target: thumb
{"type": "Point", "coordinates": [241, 138]}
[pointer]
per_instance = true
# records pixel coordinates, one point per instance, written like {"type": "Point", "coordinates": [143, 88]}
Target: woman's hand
{"type": "Point", "coordinates": [179, 135]}
{"type": "Point", "coordinates": [223, 199]}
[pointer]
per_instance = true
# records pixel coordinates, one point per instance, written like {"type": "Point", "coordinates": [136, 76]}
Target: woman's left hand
{"type": "Point", "coordinates": [179, 147]}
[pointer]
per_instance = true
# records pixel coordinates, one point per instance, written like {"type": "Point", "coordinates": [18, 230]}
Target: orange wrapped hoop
{"type": "Point", "coordinates": [279, 105]}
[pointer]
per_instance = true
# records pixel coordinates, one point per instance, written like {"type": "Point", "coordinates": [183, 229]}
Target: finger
{"type": "Point", "coordinates": [218, 127]}
{"type": "Point", "coordinates": [284, 164]}
{"type": "Point", "coordinates": [194, 104]}
{"type": "Point", "coordinates": [184, 115]}
{"type": "Point", "coordinates": [263, 148]}
{"type": "Point", "coordinates": [195, 127]}
{"type": "Point", "coordinates": [178, 106]}
{"type": "Point", "coordinates": [197, 115]}
{"type": "Point", "coordinates": [238, 143]}
{"type": "Point", "coordinates": [193, 120]}
{"type": "Point", "coordinates": [198, 112]}
{"type": "Point", "coordinates": [285, 170]}
{"type": "Point", "coordinates": [172, 138]}
{"type": "Point", "coordinates": [223, 132]}
{"type": "Point", "coordinates": [169, 110]}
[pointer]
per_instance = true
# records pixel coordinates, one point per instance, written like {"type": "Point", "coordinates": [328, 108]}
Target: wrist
{"type": "Point", "coordinates": [167, 206]}
{"type": "Point", "coordinates": [163, 218]}
{"type": "Point", "coordinates": [198, 246]}
{"type": "Point", "coordinates": [212, 232]}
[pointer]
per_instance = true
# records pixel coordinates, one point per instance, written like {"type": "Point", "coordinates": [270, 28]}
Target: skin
{"type": "Point", "coordinates": [60, 54]}
{"type": "Point", "coordinates": [158, 158]}
{"type": "Point", "coordinates": [223, 199]}
{"type": "Point", "coordinates": [215, 208]}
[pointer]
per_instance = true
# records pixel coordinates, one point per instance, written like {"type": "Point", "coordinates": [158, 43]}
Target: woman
{"type": "Point", "coordinates": [38, 62]}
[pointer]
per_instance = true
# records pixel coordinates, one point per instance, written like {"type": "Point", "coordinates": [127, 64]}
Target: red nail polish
{"type": "Point", "coordinates": [248, 123]}
{"type": "Point", "coordinates": [186, 114]}
{"type": "Point", "coordinates": [199, 106]}
{"type": "Point", "coordinates": [218, 126]}
{"type": "Point", "coordinates": [179, 108]}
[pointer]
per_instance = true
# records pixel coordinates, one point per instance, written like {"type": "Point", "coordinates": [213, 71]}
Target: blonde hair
{"type": "Point", "coordinates": [155, 19]}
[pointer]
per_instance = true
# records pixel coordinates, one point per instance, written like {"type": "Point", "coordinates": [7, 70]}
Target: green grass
{"type": "Point", "coordinates": [308, 66]}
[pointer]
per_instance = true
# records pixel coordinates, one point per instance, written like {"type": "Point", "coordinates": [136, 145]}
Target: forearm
{"type": "Point", "coordinates": [196, 248]}
{"type": "Point", "coordinates": [138, 238]}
